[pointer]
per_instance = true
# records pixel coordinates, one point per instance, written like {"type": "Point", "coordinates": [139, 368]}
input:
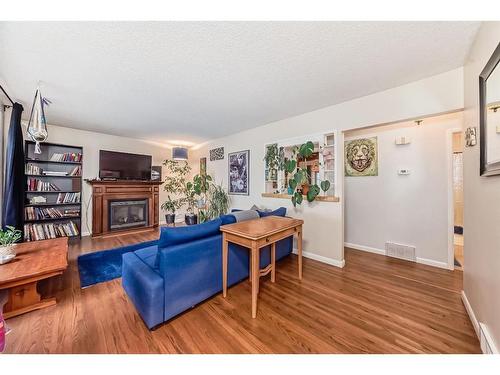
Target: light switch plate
{"type": "Point", "coordinates": [402, 141]}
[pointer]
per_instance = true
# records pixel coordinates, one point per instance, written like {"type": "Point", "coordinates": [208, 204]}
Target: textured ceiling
{"type": "Point", "coordinates": [194, 81]}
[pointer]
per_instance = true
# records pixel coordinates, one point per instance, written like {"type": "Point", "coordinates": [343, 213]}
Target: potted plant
{"type": "Point", "coordinates": [298, 182]}
{"type": "Point", "coordinates": [170, 206]}
{"type": "Point", "coordinates": [175, 185]}
{"type": "Point", "coordinates": [190, 218]}
{"type": "Point", "coordinates": [8, 237]}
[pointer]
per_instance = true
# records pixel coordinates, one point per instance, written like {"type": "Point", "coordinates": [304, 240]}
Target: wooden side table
{"type": "Point", "coordinates": [35, 261]}
{"type": "Point", "coordinates": [254, 235]}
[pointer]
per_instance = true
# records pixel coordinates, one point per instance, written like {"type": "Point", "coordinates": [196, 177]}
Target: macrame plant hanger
{"type": "Point", "coordinates": [37, 125]}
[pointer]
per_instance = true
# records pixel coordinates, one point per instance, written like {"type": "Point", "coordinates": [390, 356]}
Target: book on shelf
{"type": "Point", "coordinates": [76, 171]}
{"type": "Point", "coordinates": [35, 232]}
{"type": "Point", "coordinates": [36, 213]}
{"type": "Point", "coordinates": [67, 156]}
{"type": "Point", "coordinates": [35, 184]}
{"type": "Point", "coordinates": [68, 197]}
{"type": "Point", "coordinates": [33, 169]}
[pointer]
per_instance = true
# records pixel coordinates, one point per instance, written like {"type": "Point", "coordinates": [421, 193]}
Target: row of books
{"type": "Point", "coordinates": [35, 184]}
{"type": "Point", "coordinates": [33, 169]}
{"type": "Point", "coordinates": [67, 156]}
{"type": "Point", "coordinates": [68, 198]}
{"type": "Point", "coordinates": [35, 232]}
{"type": "Point", "coordinates": [36, 213]}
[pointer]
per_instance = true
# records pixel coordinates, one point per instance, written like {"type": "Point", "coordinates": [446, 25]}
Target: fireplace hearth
{"type": "Point", "coordinates": [139, 213]}
{"type": "Point", "coordinates": [124, 214]}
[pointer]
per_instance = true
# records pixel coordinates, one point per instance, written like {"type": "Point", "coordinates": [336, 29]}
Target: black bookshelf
{"type": "Point", "coordinates": [66, 184]}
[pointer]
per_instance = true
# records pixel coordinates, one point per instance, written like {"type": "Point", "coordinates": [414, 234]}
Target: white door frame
{"type": "Point", "coordinates": [451, 201]}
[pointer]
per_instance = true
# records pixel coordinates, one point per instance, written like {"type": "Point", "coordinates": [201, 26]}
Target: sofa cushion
{"type": "Point", "coordinates": [148, 256]}
{"type": "Point", "coordinates": [245, 215]}
{"type": "Point", "coordinates": [172, 236]}
{"type": "Point", "coordinates": [227, 219]}
{"type": "Point", "coordinates": [278, 212]}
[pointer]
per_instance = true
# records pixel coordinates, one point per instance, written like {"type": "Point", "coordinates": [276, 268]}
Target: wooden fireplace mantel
{"type": "Point", "coordinates": [103, 192]}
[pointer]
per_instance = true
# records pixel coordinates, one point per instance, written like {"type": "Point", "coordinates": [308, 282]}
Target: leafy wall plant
{"type": "Point", "coordinates": [275, 157]}
{"type": "Point", "coordinates": [299, 176]}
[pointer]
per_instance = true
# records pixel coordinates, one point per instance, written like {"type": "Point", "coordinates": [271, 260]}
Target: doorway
{"type": "Point", "coordinates": [458, 199]}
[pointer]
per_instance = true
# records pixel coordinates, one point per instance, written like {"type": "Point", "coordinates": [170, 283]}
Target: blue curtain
{"type": "Point", "coordinates": [15, 178]}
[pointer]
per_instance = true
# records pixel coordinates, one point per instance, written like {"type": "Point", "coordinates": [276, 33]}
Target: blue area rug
{"type": "Point", "coordinates": [105, 265]}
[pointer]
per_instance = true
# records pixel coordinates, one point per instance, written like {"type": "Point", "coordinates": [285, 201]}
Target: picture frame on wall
{"type": "Point", "coordinates": [239, 172]}
{"type": "Point", "coordinates": [203, 166]}
{"type": "Point", "coordinates": [156, 173]}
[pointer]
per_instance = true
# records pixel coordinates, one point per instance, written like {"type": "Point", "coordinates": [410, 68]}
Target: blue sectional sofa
{"type": "Point", "coordinates": [184, 268]}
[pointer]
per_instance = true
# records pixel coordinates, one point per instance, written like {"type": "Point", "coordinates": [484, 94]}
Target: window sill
{"type": "Point", "coordinates": [319, 198]}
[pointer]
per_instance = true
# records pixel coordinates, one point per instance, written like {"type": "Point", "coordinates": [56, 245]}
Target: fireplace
{"type": "Point", "coordinates": [106, 192]}
{"type": "Point", "coordinates": [128, 213]}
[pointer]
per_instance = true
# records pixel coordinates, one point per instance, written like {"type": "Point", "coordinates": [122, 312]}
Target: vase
{"type": "Point", "coordinates": [191, 219]}
{"type": "Point", "coordinates": [170, 218]}
{"type": "Point", "coordinates": [8, 250]}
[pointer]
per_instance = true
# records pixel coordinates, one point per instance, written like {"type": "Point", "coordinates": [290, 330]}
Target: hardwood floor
{"type": "Point", "coordinates": [375, 304]}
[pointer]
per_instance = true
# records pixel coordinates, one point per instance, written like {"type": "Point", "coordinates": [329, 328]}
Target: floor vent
{"type": "Point", "coordinates": [400, 251]}
{"type": "Point", "coordinates": [486, 341]}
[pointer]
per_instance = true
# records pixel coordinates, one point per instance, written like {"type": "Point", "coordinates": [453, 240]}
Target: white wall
{"type": "Point", "coordinates": [323, 230]}
{"type": "Point", "coordinates": [407, 209]}
{"type": "Point", "coordinates": [92, 143]}
{"type": "Point", "coordinates": [481, 200]}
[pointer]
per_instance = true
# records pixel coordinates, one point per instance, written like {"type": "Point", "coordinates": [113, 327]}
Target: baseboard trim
{"type": "Point", "coordinates": [428, 262]}
{"type": "Point", "coordinates": [470, 312]}
{"type": "Point", "coordinates": [364, 248]}
{"type": "Point", "coordinates": [322, 259]}
{"type": "Point", "coordinates": [433, 263]}
{"type": "Point", "coordinates": [478, 327]}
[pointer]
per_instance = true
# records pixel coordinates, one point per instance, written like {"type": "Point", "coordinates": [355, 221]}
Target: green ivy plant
{"type": "Point", "coordinates": [300, 176]}
{"type": "Point", "coordinates": [9, 235]}
{"type": "Point", "coordinates": [275, 157]}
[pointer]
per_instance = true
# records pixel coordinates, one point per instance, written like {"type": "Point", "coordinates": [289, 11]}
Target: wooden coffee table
{"type": "Point", "coordinates": [35, 261]}
{"type": "Point", "coordinates": [255, 234]}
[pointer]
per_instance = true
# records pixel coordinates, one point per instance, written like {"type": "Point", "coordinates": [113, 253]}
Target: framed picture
{"type": "Point", "coordinates": [203, 166]}
{"type": "Point", "coordinates": [239, 172]}
{"type": "Point", "coordinates": [156, 173]}
{"type": "Point", "coordinates": [217, 154]}
{"type": "Point", "coordinates": [361, 157]}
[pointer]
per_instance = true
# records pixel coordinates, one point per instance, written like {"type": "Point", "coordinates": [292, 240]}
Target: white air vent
{"type": "Point", "coordinates": [487, 346]}
{"type": "Point", "coordinates": [397, 250]}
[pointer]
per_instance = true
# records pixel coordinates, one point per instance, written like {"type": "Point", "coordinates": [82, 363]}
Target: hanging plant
{"type": "Point", "coordinates": [275, 157]}
{"type": "Point", "coordinates": [300, 176]}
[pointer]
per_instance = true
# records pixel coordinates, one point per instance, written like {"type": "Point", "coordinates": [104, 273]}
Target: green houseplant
{"type": "Point", "coordinates": [300, 176]}
{"type": "Point", "coordinates": [211, 199]}
{"type": "Point", "coordinates": [175, 186]}
{"type": "Point", "coordinates": [8, 237]}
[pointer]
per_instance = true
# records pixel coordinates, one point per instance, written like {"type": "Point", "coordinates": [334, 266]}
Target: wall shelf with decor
{"type": "Point", "coordinates": [319, 198]}
{"type": "Point", "coordinates": [320, 166]}
{"type": "Point", "coordinates": [53, 191]}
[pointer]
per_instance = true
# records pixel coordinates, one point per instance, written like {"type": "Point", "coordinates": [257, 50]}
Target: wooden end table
{"type": "Point", "coordinates": [255, 234]}
{"type": "Point", "coordinates": [35, 261]}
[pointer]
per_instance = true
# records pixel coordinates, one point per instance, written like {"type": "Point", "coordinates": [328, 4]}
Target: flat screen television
{"type": "Point", "coordinates": [124, 166]}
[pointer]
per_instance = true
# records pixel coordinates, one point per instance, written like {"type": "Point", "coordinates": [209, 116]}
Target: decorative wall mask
{"type": "Point", "coordinates": [361, 157]}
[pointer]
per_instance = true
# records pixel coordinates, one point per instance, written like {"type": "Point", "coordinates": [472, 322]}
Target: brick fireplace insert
{"type": "Point", "coordinates": [120, 207]}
